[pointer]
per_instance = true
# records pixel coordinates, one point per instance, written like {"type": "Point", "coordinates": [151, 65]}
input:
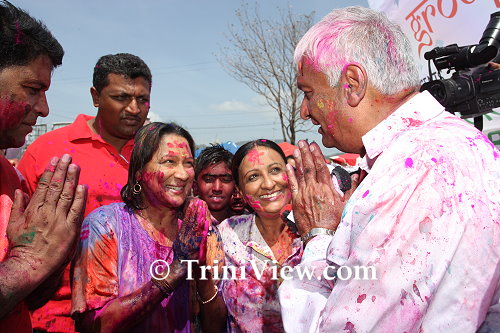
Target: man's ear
{"type": "Point", "coordinates": [95, 96]}
{"type": "Point", "coordinates": [245, 200]}
{"type": "Point", "coordinates": [355, 83]}
{"type": "Point", "coordinates": [196, 191]}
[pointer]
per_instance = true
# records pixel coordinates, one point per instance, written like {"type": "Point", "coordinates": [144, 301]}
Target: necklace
{"type": "Point", "coordinates": [157, 235]}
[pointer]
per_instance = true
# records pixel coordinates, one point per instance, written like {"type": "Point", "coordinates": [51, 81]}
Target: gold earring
{"type": "Point", "coordinates": [137, 188]}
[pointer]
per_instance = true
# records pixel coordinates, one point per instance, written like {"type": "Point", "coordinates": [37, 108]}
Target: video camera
{"type": "Point", "coordinates": [471, 93]}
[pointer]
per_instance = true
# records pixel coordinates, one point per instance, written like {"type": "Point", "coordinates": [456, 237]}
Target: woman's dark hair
{"type": "Point", "coordinates": [146, 143]}
{"type": "Point", "coordinates": [245, 149]}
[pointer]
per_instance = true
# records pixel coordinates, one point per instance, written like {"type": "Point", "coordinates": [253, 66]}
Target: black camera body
{"type": "Point", "coordinates": [471, 93]}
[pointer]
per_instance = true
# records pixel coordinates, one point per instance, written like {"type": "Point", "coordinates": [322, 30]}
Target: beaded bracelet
{"type": "Point", "coordinates": [211, 298]}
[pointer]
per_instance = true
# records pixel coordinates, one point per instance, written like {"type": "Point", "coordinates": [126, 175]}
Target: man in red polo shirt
{"type": "Point", "coordinates": [36, 240]}
{"type": "Point", "coordinates": [101, 146]}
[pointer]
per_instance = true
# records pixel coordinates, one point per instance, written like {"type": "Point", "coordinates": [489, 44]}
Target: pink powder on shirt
{"type": "Point", "coordinates": [361, 298]}
{"type": "Point", "coordinates": [409, 162]}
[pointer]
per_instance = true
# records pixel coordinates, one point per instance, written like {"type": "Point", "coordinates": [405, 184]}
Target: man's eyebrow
{"type": "Point", "coordinates": [217, 175]}
{"type": "Point", "coordinates": [39, 83]}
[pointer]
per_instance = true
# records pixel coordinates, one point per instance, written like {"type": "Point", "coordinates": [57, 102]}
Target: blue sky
{"type": "Point", "coordinates": [178, 39]}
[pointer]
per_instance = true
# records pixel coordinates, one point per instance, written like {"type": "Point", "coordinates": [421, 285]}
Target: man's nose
{"type": "Point", "coordinates": [304, 110]}
{"type": "Point", "coordinates": [217, 185]}
{"type": "Point", "coordinates": [133, 106]}
{"type": "Point", "coordinates": [41, 107]}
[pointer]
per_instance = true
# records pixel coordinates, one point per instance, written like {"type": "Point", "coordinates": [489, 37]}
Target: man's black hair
{"type": "Point", "coordinates": [213, 155]}
{"type": "Point", "coordinates": [125, 64]}
{"type": "Point", "coordinates": [24, 38]}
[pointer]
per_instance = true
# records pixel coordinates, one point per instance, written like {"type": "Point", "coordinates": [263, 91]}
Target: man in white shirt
{"type": "Point", "coordinates": [426, 216]}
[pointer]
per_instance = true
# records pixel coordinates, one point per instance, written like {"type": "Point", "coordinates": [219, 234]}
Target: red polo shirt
{"type": "Point", "coordinates": [19, 319]}
{"type": "Point", "coordinates": [103, 170]}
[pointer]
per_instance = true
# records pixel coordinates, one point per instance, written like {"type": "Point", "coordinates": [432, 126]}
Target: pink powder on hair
{"type": "Point", "coordinates": [18, 33]}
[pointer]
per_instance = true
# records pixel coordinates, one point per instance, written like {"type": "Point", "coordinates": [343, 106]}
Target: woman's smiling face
{"type": "Point", "coordinates": [263, 181]}
{"type": "Point", "coordinates": [167, 179]}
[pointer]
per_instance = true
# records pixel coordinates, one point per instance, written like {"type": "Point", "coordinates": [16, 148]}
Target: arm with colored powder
{"type": "Point", "coordinates": [41, 295]}
{"type": "Point", "coordinates": [316, 204]}
{"type": "Point", "coordinates": [213, 312]}
{"type": "Point", "coordinates": [420, 227]}
{"type": "Point", "coordinates": [43, 233]}
{"type": "Point", "coordinates": [124, 313]}
{"type": "Point", "coordinates": [193, 243]}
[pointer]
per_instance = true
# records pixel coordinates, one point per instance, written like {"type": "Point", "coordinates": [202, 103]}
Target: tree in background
{"type": "Point", "coordinates": [260, 55]}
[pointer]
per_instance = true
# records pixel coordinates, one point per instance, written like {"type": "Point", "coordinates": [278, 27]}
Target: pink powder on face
{"type": "Point", "coordinates": [285, 177]}
{"type": "Point", "coordinates": [255, 204]}
{"type": "Point", "coordinates": [350, 120]}
{"type": "Point", "coordinates": [181, 144]}
{"type": "Point", "coordinates": [346, 86]}
{"type": "Point", "coordinates": [330, 119]}
{"type": "Point", "coordinates": [12, 113]}
{"type": "Point", "coordinates": [254, 157]}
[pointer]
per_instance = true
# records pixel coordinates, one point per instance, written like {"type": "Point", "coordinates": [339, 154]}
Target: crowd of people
{"type": "Point", "coordinates": [91, 206]}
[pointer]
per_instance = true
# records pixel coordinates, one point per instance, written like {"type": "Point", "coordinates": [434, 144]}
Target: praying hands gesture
{"type": "Point", "coordinates": [316, 203]}
{"type": "Point", "coordinates": [43, 232]}
{"type": "Point", "coordinates": [192, 237]}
